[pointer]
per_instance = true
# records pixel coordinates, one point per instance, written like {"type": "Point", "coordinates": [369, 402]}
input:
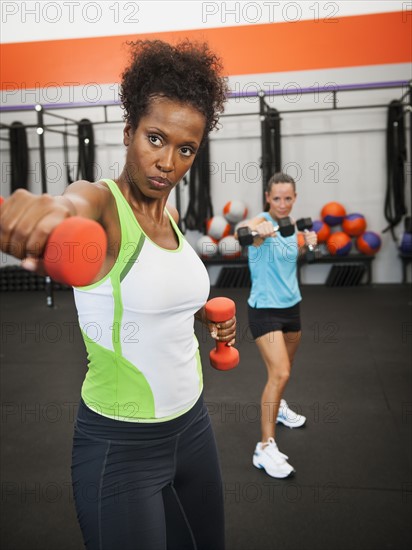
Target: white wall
{"type": "Point", "coordinates": [333, 155]}
{"type": "Point", "coordinates": [48, 20]}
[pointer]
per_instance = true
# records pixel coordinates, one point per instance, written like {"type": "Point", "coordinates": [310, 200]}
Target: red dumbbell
{"type": "Point", "coordinates": [75, 251]}
{"type": "Point", "coordinates": [218, 310]}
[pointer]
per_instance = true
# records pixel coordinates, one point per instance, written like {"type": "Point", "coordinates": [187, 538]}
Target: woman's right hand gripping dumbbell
{"type": "Point", "coordinates": [265, 229]}
{"type": "Point", "coordinates": [49, 237]}
{"type": "Point", "coordinates": [258, 231]}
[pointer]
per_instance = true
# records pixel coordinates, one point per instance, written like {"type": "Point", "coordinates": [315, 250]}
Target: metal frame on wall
{"type": "Point", "coordinates": [270, 117]}
{"type": "Point", "coordinates": [270, 121]}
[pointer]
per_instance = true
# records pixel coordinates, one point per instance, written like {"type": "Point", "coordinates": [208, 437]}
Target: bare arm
{"type": "Point", "coordinates": [89, 200]}
{"type": "Point", "coordinates": [27, 220]}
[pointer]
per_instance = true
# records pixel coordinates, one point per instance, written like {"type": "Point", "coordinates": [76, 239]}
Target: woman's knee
{"type": "Point", "coordinates": [279, 376]}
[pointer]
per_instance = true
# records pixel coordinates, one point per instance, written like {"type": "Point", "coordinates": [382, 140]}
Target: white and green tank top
{"type": "Point", "coordinates": [138, 327]}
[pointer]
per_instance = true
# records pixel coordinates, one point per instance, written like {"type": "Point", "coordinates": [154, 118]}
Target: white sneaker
{"type": "Point", "coordinates": [289, 418]}
{"type": "Point", "coordinates": [268, 457]}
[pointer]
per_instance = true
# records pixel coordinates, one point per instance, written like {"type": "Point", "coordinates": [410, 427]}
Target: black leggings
{"type": "Point", "coordinates": [148, 486]}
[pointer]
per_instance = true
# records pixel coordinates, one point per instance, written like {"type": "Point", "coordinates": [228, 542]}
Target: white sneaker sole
{"type": "Point", "coordinates": [279, 475]}
{"type": "Point", "coordinates": [289, 424]}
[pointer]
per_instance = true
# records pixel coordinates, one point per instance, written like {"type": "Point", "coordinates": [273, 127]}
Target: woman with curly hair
{"type": "Point", "coordinates": [145, 469]}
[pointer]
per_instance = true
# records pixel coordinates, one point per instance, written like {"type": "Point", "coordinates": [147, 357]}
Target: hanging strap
{"type": "Point", "coordinates": [19, 156]}
{"type": "Point", "coordinates": [395, 206]}
{"type": "Point", "coordinates": [66, 157]}
{"type": "Point", "coordinates": [271, 147]}
{"type": "Point", "coordinates": [85, 167]}
{"type": "Point", "coordinates": [200, 207]}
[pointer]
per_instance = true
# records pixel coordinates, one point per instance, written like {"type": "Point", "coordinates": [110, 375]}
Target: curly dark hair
{"type": "Point", "coordinates": [187, 72]}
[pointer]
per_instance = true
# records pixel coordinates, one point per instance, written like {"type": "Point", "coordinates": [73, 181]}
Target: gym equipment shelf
{"type": "Point", "coordinates": [352, 260]}
{"type": "Point", "coordinates": [406, 260]}
{"type": "Point", "coordinates": [347, 262]}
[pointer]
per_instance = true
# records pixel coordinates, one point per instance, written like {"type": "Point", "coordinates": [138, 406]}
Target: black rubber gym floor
{"type": "Point", "coordinates": [352, 379]}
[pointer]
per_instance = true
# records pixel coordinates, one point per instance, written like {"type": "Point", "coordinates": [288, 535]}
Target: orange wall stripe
{"type": "Point", "coordinates": [372, 39]}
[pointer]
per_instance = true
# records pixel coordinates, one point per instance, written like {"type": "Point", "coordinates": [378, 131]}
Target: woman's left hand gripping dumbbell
{"type": "Point", "coordinates": [220, 314]}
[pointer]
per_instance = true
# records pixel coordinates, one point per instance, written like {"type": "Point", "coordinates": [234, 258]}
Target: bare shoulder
{"type": "Point", "coordinates": [90, 199]}
{"type": "Point", "coordinates": [84, 187]}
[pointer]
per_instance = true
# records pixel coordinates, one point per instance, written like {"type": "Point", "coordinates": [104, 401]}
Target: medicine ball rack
{"type": "Point", "coordinates": [270, 119]}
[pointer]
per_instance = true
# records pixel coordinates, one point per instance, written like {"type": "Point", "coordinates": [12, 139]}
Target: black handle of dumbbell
{"type": "Point", "coordinates": [256, 234]}
{"type": "Point", "coordinates": [303, 224]}
{"type": "Point", "coordinates": [248, 238]}
{"type": "Point", "coordinates": [310, 246]}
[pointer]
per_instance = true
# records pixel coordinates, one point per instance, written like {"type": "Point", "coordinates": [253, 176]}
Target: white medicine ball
{"type": "Point", "coordinates": [229, 247]}
{"type": "Point", "coordinates": [217, 227]}
{"type": "Point", "coordinates": [235, 211]}
{"type": "Point", "coordinates": [206, 247]}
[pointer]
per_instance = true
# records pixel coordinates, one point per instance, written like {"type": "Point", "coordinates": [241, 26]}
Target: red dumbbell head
{"type": "Point", "coordinates": [220, 309]}
{"type": "Point", "coordinates": [75, 251]}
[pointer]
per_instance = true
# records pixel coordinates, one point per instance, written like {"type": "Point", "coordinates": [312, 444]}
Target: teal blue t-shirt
{"type": "Point", "coordinates": [273, 271]}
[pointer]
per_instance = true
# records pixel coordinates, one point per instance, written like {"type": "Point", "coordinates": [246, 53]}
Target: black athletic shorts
{"type": "Point", "coordinates": [264, 320]}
